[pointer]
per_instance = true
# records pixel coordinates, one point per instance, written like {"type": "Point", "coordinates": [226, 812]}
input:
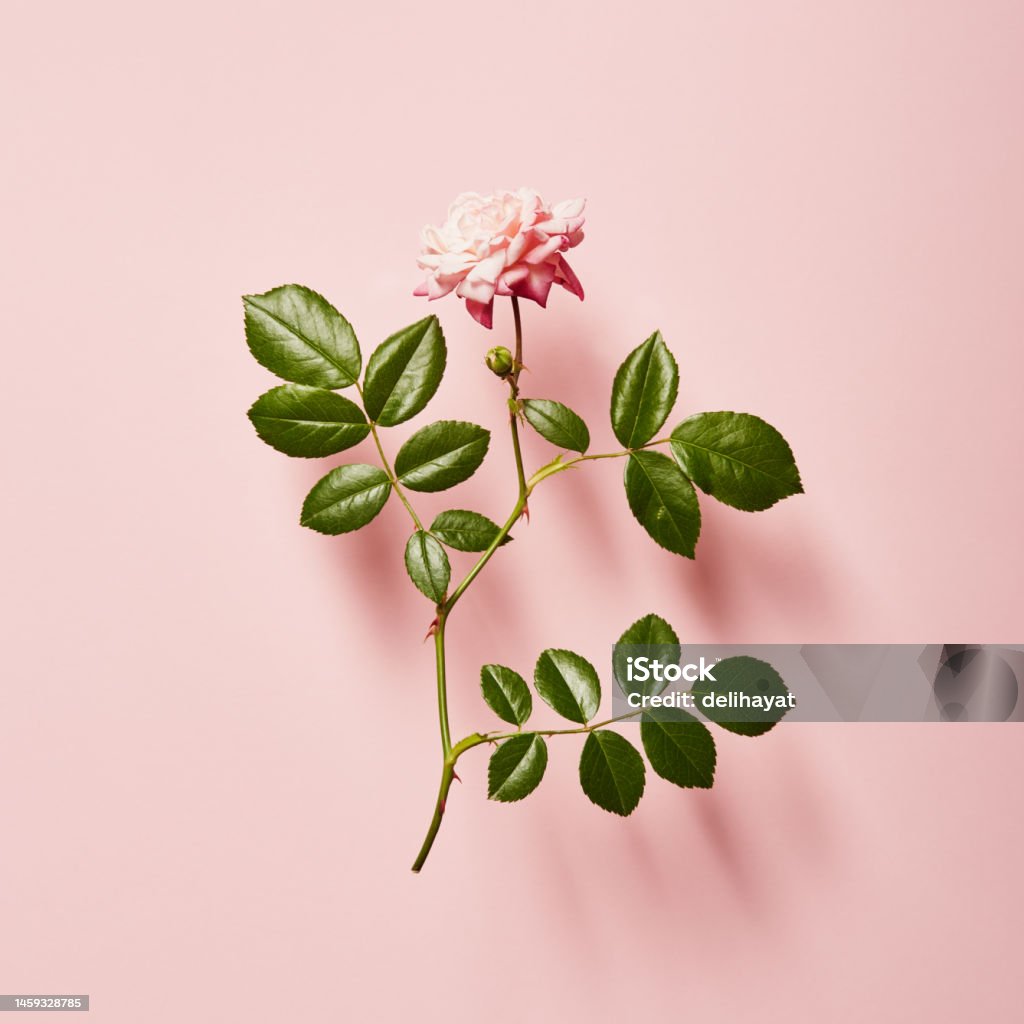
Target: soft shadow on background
{"type": "Point", "coordinates": [220, 744]}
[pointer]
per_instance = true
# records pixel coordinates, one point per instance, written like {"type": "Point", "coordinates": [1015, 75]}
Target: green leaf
{"type": "Point", "coordinates": [612, 772]}
{"type": "Point", "coordinates": [569, 684]}
{"type": "Point", "coordinates": [644, 392]}
{"type": "Point", "coordinates": [737, 458]}
{"type": "Point", "coordinates": [557, 423]}
{"type": "Point", "coordinates": [663, 501]}
{"type": "Point", "coordinates": [306, 422]}
{"type": "Point", "coordinates": [441, 455]}
{"type": "Point", "coordinates": [403, 373]}
{"type": "Point", "coordinates": [680, 748]}
{"type": "Point", "coordinates": [346, 499]}
{"type": "Point", "coordinates": [649, 637]}
{"type": "Point", "coordinates": [506, 693]}
{"type": "Point", "coordinates": [742, 675]}
{"type": "Point", "coordinates": [517, 767]}
{"type": "Point", "coordinates": [300, 336]}
{"type": "Point", "coordinates": [466, 531]}
{"type": "Point", "coordinates": [427, 565]}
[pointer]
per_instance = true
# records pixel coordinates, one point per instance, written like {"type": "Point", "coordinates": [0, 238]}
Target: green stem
{"type": "Point", "coordinates": [450, 753]}
{"type": "Point", "coordinates": [478, 739]}
{"type": "Point", "coordinates": [444, 609]}
{"type": "Point", "coordinates": [513, 383]}
{"type": "Point", "coordinates": [494, 737]}
{"type": "Point", "coordinates": [390, 472]}
{"type": "Point", "coordinates": [442, 686]}
{"type": "Point", "coordinates": [447, 775]}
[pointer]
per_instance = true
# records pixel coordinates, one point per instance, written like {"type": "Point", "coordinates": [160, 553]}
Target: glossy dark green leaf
{"type": "Point", "coordinates": [346, 499]}
{"type": "Point", "coordinates": [644, 392]}
{"type": "Point", "coordinates": [516, 767]}
{"type": "Point", "coordinates": [737, 458]}
{"type": "Point", "coordinates": [680, 748]}
{"type": "Point", "coordinates": [557, 423]}
{"type": "Point", "coordinates": [569, 684]}
{"type": "Point", "coordinates": [403, 373]}
{"type": "Point", "coordinates": [427, 565]}
{"type": "Point", "coordinates": [306, 422]}
{"type": "Point", "coordinates": [300, 336]}
{"type": "Point", "coordinates": [650, 637]}
{"type": "Point", "coordinates": [465, 531]}
{"type": "Point", "coordinates": [663, 501]}
{"type": "Point", "coordinates": [506, 693]}
{"type": "Point", "coordinates": [742, 675]}
{"type": "Point", "coordinates": [441, 455]}
{"type": "Point", "coordinates": [612, 772]}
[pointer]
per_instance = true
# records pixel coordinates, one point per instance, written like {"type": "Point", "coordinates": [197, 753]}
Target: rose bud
{"type": "Point", "coordinates": [499, 360]}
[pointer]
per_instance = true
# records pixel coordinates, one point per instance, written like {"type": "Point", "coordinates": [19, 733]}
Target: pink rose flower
{"type": "Point", "coordinates": [509, 243]}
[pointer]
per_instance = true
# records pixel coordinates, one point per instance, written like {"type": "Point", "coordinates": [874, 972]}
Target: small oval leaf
{"type": "Point", "coordinates": [680, 749]}
{"type": "Point", "coordinates": [346, 499]}
{"type": "Point", "coordinates": [749, 676]}
{"type": "Point", "coordinates": [649, 637]}
{"type": "Point", "coordinates": [737, 458]}
{"type": "Point", "coordinates": [644, 392]}
{"type": "Point", "coordinates": [557, 423]}
{"type": "Point", "coordinates": [404, 371]}
{"type": "Point", "coordinates": [506, 693]}
{"type": "Point", "coordinates": [466, 531]}
{"type": "Point", "coordinates": [517, 767]}
{"type": "Point", "coordinates": [612, 772]}
{"type": "Point", "coordinates": [300, 336]}
{"type": "Point", "coordinates": [441, 455]}
{"type": "Point", "coordinates": [663, 501]}
{"type": "Point", "coordinates": [428, 566]}
{"type": "Point", "coordinates": [306, 422]}
{"type": "Point", "coordinates": [569, 684]}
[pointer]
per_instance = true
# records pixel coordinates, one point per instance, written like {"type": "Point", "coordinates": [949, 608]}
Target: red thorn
{"type": "Point", "coordinates": [432, 631]}
{"type": "Point", "coordinates": [455, 775]}
{"type": "Point", "coordinates": [526, 512]}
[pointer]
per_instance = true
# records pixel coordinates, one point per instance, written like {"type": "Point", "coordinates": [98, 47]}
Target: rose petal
{"type": "Point", "coordinates": [481, 312]}
{"type": "Point", "coordinates": [567, 278]}
{"type": "Point", "coordinates": [537, 284]}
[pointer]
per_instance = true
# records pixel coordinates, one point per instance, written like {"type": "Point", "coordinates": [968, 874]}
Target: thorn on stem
{"type": "Point", "coordinates": [432, 631]}
{"type": "Point", "coordinates": [455, 775]}
{"type": "Point", "coordinates": [526, 512]}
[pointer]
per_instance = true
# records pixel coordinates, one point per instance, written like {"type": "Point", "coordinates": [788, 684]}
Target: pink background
{"type": "Point", "coordinates": [217, 730]}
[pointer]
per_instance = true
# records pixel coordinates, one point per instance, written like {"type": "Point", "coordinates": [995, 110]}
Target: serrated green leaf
{"type": "Point", "coordinates": [404, 371]}
{"type": "Point", "coordinates": [557, 423]}
{"type": "Point", "coordinates": [300, 336]}
{"type": "Point", "coordinates": [517, 767]}
{"type": "Point", "coordinates": [568, 683]}
{"type": "Point", "coordinates": [346, 499]}
{"type": "Point", "coordinates": [428, 566]}
{"type": "Point", "coordinates": [306, 422]}
{"type": "Point", "coordinates": [612, 772]}
{"type": "Point", "coordinates": [737, 458]}
{"type": "Point", "coordinates": [441, 455]}
{"type": "Point", "coordinates": [749, 676]}
{"type": "Point", "coordinates": [506, 693]}
{"type": "Point", "coordinates": [663, 501]}
{"type": "Point", "coordinates": [466, 531]}
{"type": "Point", "coordinates": [649, 637]}
{"type": "Point", "coordinates": [680, 748]}
{"type": "Point", "coordinates": [644, 392]}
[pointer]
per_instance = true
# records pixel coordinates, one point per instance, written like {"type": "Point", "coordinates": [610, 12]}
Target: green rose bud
{"type": "Point", "coordinates": [499, 361]}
